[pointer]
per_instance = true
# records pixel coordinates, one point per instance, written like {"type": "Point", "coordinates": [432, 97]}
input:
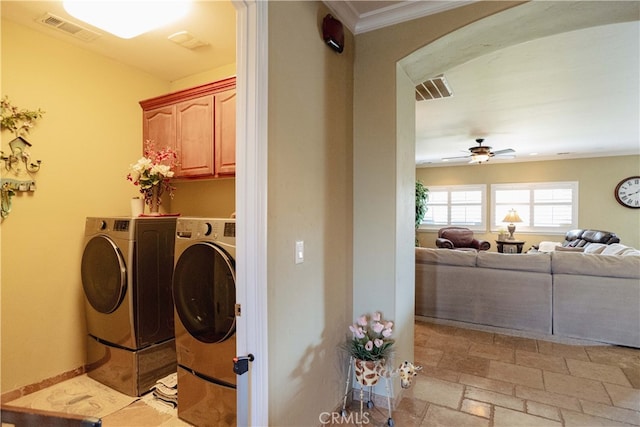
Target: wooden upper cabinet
{"type": "Point", "coordinates": [159, 126]}
{"type": "Point", "coordinates": [200, 124]}
{"type": "Point", "coordinates": [225, 126]}
{"type": "Point", "coordinates": [195, 137]}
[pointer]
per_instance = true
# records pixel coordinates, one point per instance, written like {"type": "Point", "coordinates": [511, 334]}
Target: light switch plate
{"type": "Point", "coordinates": [299, 256]}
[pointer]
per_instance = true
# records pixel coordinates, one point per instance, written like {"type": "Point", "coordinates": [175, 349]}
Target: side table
{"type": "Point", "coordinates": [510, 246]}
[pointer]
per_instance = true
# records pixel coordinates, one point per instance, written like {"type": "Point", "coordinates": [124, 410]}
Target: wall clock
{"type": "Point", "coordinates": [627, 192]}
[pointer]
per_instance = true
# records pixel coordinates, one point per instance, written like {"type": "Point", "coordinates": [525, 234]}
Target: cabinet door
{"type": "Point", "coordinates": [225, 141]}
{"type": "Point", "coordinates": [159, 126]}
{"type": "Point", "coordinates": [195, 136]}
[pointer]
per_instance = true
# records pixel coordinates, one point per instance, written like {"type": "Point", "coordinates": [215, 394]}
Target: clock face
{"type": "Point", "coordinates": [628, 192]}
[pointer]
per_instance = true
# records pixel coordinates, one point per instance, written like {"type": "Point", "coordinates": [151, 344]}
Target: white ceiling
{"type": "Point", "coordinates": [213, 22]}
{"type": "Point", "coordinates": [575, 93]}
{"type": "Point", "coordinates": [571, 95]}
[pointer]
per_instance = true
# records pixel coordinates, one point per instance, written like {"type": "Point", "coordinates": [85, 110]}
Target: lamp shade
{"type": "Point", "coordinates": [512, 217]}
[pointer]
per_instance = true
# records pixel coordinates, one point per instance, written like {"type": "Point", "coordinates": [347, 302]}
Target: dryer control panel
{"type": "Point", "coordinates": [223, 229]}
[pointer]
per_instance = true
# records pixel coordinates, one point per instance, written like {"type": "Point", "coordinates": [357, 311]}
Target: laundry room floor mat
{"type": "Point", "coordinates": [144, 413]}
{"type": "Point", "coordinates": [80, 395]}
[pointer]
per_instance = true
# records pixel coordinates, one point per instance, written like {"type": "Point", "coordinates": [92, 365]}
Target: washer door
{"type": "Point", "coordinates": [104, 274]}
{"type": "Point", "coordinates": [204, 292]}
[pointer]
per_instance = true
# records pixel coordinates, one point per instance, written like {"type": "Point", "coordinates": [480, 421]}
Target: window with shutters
{"type": "Point", "coordinates": [456, 205]}
{"type": "Point", "coordinates": [544, 207]}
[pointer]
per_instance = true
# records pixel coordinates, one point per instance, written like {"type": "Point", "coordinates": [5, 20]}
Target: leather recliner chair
{"type": "Point", "coordinates": [460, 238]}
{"type": "Point", "coordinates": [579, 238]}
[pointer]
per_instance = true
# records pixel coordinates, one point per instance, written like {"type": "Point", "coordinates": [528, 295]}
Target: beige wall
{"type": "Point", "coordinates": [204, 77]}
{"type": "Point", "coordinates": [384, 166]}
{"type": "Point", "coordinates": [334, 182]}
{"type": "Point", "coordinates": [379, 183]}
{"type": "Point", "coordinates": [89, 135]}
{"type": "Point", "coordinates": [309, 199]}
{"type": "Point", "coordinates": [596, 177]}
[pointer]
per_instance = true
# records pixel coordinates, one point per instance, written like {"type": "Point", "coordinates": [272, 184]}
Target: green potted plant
{"type": "Point", "coordinates": [422, 197]}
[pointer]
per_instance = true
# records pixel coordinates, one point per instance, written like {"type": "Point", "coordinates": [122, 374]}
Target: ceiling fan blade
{"type": "Point", "coordinates": [455, 158]}
{"type": "Point", "coordinates": [505, 151]}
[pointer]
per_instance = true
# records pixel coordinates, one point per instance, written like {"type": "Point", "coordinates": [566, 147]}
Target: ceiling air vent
{"type": "Point", "coordinates": [434, 88]}
{"type": "Point", "coordinates": [68, 27]}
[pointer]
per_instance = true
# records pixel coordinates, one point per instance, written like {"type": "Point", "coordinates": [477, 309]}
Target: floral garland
{"type": "Point", "coordinates": [16, 120]}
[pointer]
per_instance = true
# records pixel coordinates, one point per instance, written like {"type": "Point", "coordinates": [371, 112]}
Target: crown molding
{"type": "Point", "coordinates": [401, 11]}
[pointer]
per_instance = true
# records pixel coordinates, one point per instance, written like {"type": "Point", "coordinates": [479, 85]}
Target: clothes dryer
{"type": "Point", "coordinates": [126, 271]}
{"type": "Point", "coordinates": [204, 292]}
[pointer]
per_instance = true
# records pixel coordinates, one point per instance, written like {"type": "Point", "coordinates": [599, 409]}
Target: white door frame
{"type": "Point", "coordinates": [251, 208]}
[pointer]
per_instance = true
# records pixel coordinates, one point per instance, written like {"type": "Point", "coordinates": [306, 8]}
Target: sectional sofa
{"type": "Point", "coordinates": [592, 296]}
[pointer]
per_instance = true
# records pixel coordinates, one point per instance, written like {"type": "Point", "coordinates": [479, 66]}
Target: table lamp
{"type": "Point", "coordinates": [511, 217]}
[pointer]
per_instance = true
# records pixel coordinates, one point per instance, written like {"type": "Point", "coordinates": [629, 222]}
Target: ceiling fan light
{"type": "Point", "coordinates": [479, 158]}
{"type": "Point", "coordinates": [127, 19]}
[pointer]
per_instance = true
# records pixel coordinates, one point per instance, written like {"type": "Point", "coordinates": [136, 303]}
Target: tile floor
{"type": "Point", "coordinates": [83, 395]}
{"type": "Point", "coordinates": [478, 378]}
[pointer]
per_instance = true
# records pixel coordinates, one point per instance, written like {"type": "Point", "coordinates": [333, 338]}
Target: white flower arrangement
{"type": "Point", "coordinates": [154, 171]}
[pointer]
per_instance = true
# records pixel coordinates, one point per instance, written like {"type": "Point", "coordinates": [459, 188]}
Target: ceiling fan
{"type": "Point", "coordinates": [482, 153]}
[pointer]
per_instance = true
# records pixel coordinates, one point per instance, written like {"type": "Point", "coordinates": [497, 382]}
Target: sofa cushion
{"type": "Point", "coordinates": [446, 257]}
{"type": "Point", "coordinates": [540, 262]}
{"type": "Point", "coordinates": [616, 249]}
{"type": "Point", "coordinates": [594, 248]}
{"type": "Point", "coordinates": [596, 265]}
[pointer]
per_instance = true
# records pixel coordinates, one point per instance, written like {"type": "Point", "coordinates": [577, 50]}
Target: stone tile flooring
{"type": "Point", "coordinates": [486, 379]}
{"type": "Point", "coordinates": [478, 378]}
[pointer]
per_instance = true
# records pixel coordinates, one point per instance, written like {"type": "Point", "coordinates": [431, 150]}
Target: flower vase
{"type": "Point", "coordinates": [367, 371]}
{"type": "Point", "coordinates": [154, 202]}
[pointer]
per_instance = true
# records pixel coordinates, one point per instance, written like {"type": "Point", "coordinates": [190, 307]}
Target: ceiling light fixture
{"type": "Point", "coordinates": [479, 158]}
{"type": "Point", "coordinates": [127, 19]}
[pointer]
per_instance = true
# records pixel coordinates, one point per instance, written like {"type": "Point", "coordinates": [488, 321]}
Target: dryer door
{"type": "Point", "coordinates": [104, 274]}
{"type": "Point", "coordinates": [204, 292]}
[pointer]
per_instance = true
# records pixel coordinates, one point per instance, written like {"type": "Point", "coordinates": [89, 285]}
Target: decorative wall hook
{"type": "Point", "coordinates": [19, 154]}
{"type": "Point", "coordinates": [18, 121]}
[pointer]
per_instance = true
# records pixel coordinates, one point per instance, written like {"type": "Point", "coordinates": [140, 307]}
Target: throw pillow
{"type": "Point", "coordinates": [548, 246]}
{"type": "Point", "coordinates": [594, 248]}
{"type": "Point", "coordinates": [615, 249]}
{"type": "Point", "coordinates": [632, 252]}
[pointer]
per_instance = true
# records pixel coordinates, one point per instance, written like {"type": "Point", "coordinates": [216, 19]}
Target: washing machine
{"type": "Point", "coordinates": [204, 293]}
{"type": "Point", "coordinates": [126, 271]}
